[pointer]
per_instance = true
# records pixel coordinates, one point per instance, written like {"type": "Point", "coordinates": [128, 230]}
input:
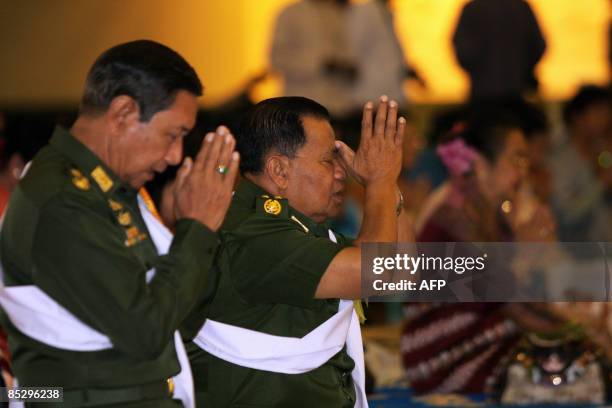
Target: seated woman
{"type": "Point", "coordinates": [461, 347]}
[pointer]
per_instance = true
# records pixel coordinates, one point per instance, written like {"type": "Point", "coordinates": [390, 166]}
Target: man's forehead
{"type": "Point", "coordinates": [319, 134]}
{"type": "Point", "coordinates": [182, 113]}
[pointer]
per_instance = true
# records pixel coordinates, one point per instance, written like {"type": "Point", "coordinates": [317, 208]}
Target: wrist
{"type": "Point", "coordinates": [382, 194]}
{"type": "Point", "coordinates": [381, 186]}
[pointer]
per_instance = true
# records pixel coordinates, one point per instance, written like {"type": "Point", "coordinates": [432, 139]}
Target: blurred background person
{"type": "Point", "coordinates": [311, 51]}
{"type": "Point", "coordinates": [498, 43]}
{"type": "Point", "coordinates": [21, 136]}
{"type": "Point", "coordinates": [484, 182]}
{"type": "Point", "coordinates": [382, 66]}
{"type": "Point", "coordinates": [380, 62]}
{"type": "Point", "coordinates": [11, 166]}
{"type": "Point", "coordinates": [428, 173]}
{"type": "Point", "coordinates": [536, 127]}
{"type": "Point", "coordinates": [532, 121]}
{"type": "Point", "coordinates": [578, 193]}
{"type": "Point", "coordinates": [459, 347]}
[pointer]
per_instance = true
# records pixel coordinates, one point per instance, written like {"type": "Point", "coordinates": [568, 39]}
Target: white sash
{"type": "Point", "coordinates": [162, 238]}
{"type": "Point", "coordinates": [291, 355]}
{"type": "Point", "coordinates": [40, 317]}
{"type": "Point", "coordinates": [37, 315]}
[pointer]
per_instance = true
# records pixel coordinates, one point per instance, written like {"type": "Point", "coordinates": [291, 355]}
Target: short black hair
{"type": "Point", "coordinates": [487, 129]}
{"type": "Point", "coordinates": [442, 124]}
{"type": "Point", "coordinates": [274, 124]}
{"type": "Point", "coordinates": [145, 70]}
{"type": "Point", "coordinates": [586, 97]}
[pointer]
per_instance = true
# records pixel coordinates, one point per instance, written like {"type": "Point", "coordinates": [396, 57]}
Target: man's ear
{"type": "Point", "coordinates": [122, 114]}
{"type": "Point", "coordinates": [277, 168]}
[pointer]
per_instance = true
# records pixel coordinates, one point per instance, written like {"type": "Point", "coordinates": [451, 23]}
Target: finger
{"type": "Point", "coordinates": [222, 130]}
{"type": "Point", "coordinates": [346, 153]}
{"type": "Point", "coordinates": [399, 134]}
{"type": "Point", "coordinates": [183, 173]}
{"type": "Point", "coordinates": [212, 160]}
{"type": "Point", "coordinates": [229, 144]}
{"type": "Point", "coordinates": [381, 116]}
{"type": "Point", "coordinates": [391, 121]}
{"type": "Point", "coordinates": [198, 165]}
{"type": "Point", "coordinates": [232, 173]}
{"type": "Point", "coordinates": [366, 121]}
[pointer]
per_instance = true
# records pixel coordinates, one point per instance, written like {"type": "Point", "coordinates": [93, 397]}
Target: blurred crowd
{"type": "Point", "coordinates": [505, 166]}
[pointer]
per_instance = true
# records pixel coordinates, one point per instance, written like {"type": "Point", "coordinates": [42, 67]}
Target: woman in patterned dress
{"type": "Point", "coordinates": [461, 347]}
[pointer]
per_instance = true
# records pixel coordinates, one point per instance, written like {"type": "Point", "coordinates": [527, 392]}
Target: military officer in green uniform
{"type": "Point", "coordinates": [89, 304]}
{"type": "Point", "coordinates": [281, 273]}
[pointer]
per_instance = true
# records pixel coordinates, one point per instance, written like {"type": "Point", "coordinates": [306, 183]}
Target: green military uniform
{"type": "Point", "coordinates": [73, 230]}
{"type": "Point", "coordinates": [268, 270]}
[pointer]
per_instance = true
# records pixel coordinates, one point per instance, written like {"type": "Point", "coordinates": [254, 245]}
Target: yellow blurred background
{"type": "Point", "coordinates": [47, 46]}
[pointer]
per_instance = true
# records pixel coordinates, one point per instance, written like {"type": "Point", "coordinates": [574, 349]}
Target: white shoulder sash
{"type": "Point", "coordinates": [291, 355]}
{"type": "Point", "coordinates": [38, 316]}
{"type": "Point", "coordinates": [162, 238]}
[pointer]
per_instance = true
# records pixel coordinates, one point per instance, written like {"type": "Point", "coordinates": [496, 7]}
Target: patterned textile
{"type": "Point", "coordinates": [460, 347]}
{"type": "Point", "coordinates": [456, 347]}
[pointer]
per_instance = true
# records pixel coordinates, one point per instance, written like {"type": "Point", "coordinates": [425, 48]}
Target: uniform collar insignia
{"type": "Point", "coordinates": [104, 181]}
{"type": "Point", "coordinates": [294, 218]}
{"type": "Point", "coordinates": [274, 206]}
{"type": "Point", "coordinates": [86, 161]}
{"type": "Point", "coordinates": [134, 236]}
{"type": "Point", "coordinates": [115, 205]}
{"type": "Point", "coordinates": [80, 181]}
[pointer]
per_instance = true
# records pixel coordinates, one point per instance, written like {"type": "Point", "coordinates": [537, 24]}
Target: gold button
{"type": "Point", "coordinates": [170, 382]}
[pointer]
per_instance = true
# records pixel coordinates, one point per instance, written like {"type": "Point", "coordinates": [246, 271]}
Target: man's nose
{"type": "Point", "coordinates": [175, 154]}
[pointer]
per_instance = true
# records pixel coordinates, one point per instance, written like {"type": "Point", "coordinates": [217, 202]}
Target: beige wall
{"type": "Point", "coordinates": [48, 45]}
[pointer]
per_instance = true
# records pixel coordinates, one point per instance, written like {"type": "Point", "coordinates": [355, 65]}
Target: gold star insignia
{"type": "Point", "coordinates": [132, 232]}
{"type": "Point", "coordinates": [134, 236]}
{"type": "Point", "coordinates": [114, 205]}
{"type": "Point", "coordinates": [124, 218]}
{"type": "Point", "coordinates": [79, 180]}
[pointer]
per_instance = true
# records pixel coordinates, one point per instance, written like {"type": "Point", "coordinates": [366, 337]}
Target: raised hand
{"type": "Point", "coordinates": [203, 189]}
{"type": "Point", "coordinates": [379, 156]}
